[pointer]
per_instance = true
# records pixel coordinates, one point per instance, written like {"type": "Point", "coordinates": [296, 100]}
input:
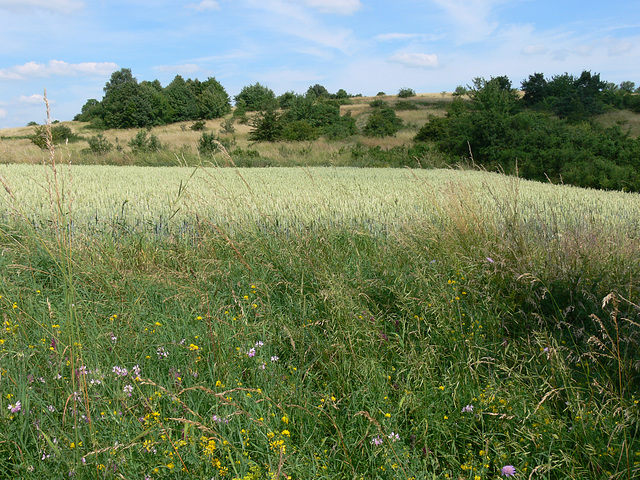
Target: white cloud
{"type": "Point", "coordinates": [538, 49]}
{"type": "Point", "coordinates": [204, 6]}
{"type": "Point", "coordinates": [289, 18]}
{"type": "Point", "coordinates": [343, 7]}
{"type": "Point", "coordinates": [420, 60]}
{"type": "Point", "coordinates": [34, 99]}
{"type": "Point", "coordinates": [3, 113]}
{"type": "Point", "coordinates": [471, 17]}
{"type": "Point", "coordinates": [56, 68]}
{"type": "Point", "coordinates": [392, 37]}
{"type": "Point", "coordinates": [618, 47]}
{"type": "Point", "coordinates": [59, 6]}
{"type": "Point", "coordinates": [184, 69]}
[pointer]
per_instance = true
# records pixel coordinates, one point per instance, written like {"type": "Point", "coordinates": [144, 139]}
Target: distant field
{"type": "Point", "coordinates": [164, 198]}
{"type": "Point", "coordinates": [180, 142]}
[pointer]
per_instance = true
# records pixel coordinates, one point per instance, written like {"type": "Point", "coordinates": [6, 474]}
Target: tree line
{"type": "Point", "coordinates": [543, 131]}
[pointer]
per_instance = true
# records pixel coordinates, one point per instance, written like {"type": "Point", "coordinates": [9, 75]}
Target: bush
{"type": "Point", "coordinates": [266, 127]}
{"type": "Point", "coordinates": [198, 126]}
{"type": "Point", "coordinates": [143, 144]}
{"type": "Point", "coordinates": [99, 145]}
{"type": "Point", "coordinates": [382, 123]}
{"type": "Point", "coordinates": [256, 97]}
{"type": "Point", "coordinates": [406, 93]}
{"type": "Point", "coordinates": [405, 105]}
{"type": "Point", "coordinates": [377, 103]}
{"type": "Point", "coordinates": [299, 130]}
{"type": "Point", "coordinates": [208, 144]}
{"type": "Point", "coordinates": [59, 134]}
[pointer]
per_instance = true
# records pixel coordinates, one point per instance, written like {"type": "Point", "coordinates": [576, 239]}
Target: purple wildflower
{"type": "Point", "coordinates": [377, 441]}
{"type": "Point", "coordinates": [508, 471]}
{"type": "Point", "coordinates": [251, 353]}
{"type": "Point", "coordinates": [467, 409]}
{"type": "Point", "coordinates": [490, 260]}
{"type": "Point", "coordinates": [394, 437]}
{"type": "Point", "coordinates": [15, 408]}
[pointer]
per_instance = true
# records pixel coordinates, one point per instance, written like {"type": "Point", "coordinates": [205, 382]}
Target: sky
{"type": "Point", "coordinates": [71, 47]}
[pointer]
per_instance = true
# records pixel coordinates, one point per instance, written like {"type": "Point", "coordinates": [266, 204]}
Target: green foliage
{"type": "Point", "coordinates": [317, 91]}
{"type": "Point", "coordinates": [299, 130]}
{"type": "Point", "coordinates": [129, 104]}
{"type": "Point", "coordinates": [266, 127]}
{"type": "Point", "coordinates": [406, 92]}
{"type": "Point", "coordinates": [498, 134]}
{"type": "Point", "coordinates": [573, 98]}
{"type": "Point", "coordinates": [59, 134]}
{"type": "Point", "coordinates": [405, 105]}
{"type": "Point", "coordinates": [256, 97]}
{"type": "Point", "coordinates": [343, 128]}
{"type": "Point", "coordinates": [145, 143]}
{"type": "Point", "coordinates": [32, 124]}
{"type": "Point", "coordinates": [208, 144]}
{"type": "Point", "coordinates": [99, 145]}
{"type": "Point", "coordinates": [198, 126]}
{"type": "Point", "coordinates": [382, 122]}
{"type": "Point", "coordinates": [377, 103]}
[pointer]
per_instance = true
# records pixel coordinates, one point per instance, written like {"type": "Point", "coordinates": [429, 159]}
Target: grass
{"type": "Point", "coordinates": [315, 323]}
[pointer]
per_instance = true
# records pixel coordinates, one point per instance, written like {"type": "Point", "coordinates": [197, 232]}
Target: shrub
{"type": "Point", "coordinates": [59, 134]}
{"type": "Point", "coordinates": [227, 125]}
{"type": "Point", "coordinates": [208, 144]}
{"type": "Point", "coordinates": [266, 127]}
{"type": "Point", "coordinates": [99, 145]}
{"type": "Point", "coordinates": [198, 126]}
{"type": "Point", "coordinates": [405, 105]}
{"type": "Point", "coordinates": [377, 103]}
{"type": "Point", "coordinates": [343, 128]}
{"type": "Point", "coordinates": [256, 97]}
{"type": "Point", "coordinates": [406, 93]}
{"type": "Point", "coordinates": [299, 130]}
{"type": "Point", "coordinates": [382, 123]}
{"type": "Point", "coordinates": [143, 144]}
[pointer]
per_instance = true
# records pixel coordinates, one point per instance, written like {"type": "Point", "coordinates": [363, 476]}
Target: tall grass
{"type": "Point", "coordinates": [316, 324]}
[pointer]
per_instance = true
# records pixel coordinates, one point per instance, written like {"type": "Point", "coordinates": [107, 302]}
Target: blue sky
{"type": "Point", "coordinates": [71, 47]}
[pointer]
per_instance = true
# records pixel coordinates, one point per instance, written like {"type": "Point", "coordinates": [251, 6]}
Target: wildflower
{"type": "Point", "coordinates": [508, 471]}
{"type": "Point", "coordinates": [128, 389]}
{"type": "Point", "coordinates": [467, 409]}
{"type": "Point", "coordinates": [259, 343]}
{"type": "Point", "coordinates": [120, 371]}
{"type": "Point", "coordinates": [16, 407]}
{"type": "Point", "coordinates": [263, 366]}
{"type": "Point", "coordinates": [275, 358]}
{"type": "Point", "coordinates": [394, 437]}
{"type": "Point", "coordinates": [194, 348]}
{"type": "Point", "coordinates": [251, 353]}
{"type": "Point", "coordinates": [490, 260]}
{"type": "Point", "coordinates": [377, 441]}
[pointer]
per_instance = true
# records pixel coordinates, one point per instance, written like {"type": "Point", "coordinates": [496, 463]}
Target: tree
{"type": "Point", "coordinates": [182, 99]}
{"type": "Point", "coordinates": [536, 89]}
{"type": "Point", "coordinates": [406, 92]}
{"type": "Point", "coordinates": [317, 91]}
{"type": "Point", "coordinates": [266, 127]}
{"type": "Point", "coordinates": [381, 123]}
{"type": "Point", "coordinates": [256, 97]}
{"type": "Point", "coordinates": [213, 100]}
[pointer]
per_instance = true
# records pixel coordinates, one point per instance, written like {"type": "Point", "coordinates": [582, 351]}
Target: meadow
{"type": "Point", "coordinates": [315, 322]}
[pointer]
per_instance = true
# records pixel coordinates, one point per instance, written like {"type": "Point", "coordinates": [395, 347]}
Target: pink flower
{"type": "Point", "coordinates": [508, 471]}
{"type": "Point", "coordinates": [15, 408]}
{"type": "Point", "coordinates": [251, 353]}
